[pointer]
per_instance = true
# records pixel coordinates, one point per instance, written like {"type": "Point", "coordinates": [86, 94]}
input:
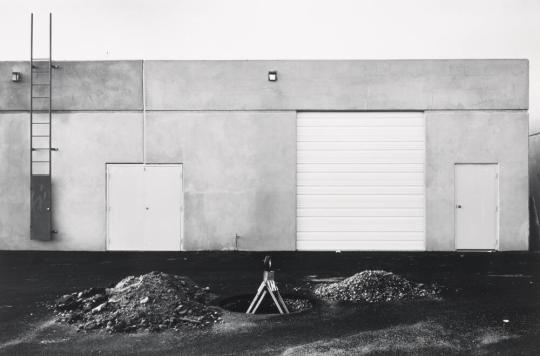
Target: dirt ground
{"type": "Point", "coordinates": [491, 304]}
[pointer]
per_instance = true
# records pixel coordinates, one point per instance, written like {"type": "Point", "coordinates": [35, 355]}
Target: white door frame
{"type": "Point", "coordinates": [497, 215]}
{"type": "Point", "coordinates": [145, 165]}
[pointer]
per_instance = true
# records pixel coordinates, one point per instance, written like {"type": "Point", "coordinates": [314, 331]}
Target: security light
{"type": "Point", "coordinates": [15, 76]}
{"type": "Point", "coordinates": [272, 76]}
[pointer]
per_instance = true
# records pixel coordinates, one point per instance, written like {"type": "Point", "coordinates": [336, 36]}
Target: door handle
{"type": "Point", "coordinates": [458, 206]}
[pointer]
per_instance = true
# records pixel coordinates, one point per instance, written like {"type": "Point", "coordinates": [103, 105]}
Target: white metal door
{"type": "Point", "coordinates": [163, 196]}
{"type": "Point", "coordinates": [476, 206]}
{"type": "Point", "coordinates": [360, 181]}
{"type": "Point", "coordinates": [125, 202]}
{"type": "Point", "coordinates": [144, 207]}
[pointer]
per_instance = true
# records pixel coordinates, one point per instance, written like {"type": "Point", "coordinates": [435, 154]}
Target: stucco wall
{"type": "Point", "coordinates": [14, 181]}
{"type": "Point", "coordinates": [477, 137]}
{"type": "Point", "coordinates": [86, 142]}
{"type": "Point", "coordinates": [481, 84]}
{"type": "Point", "coordinates": [235, 133]}
{"type": "Point", "coordinates": [337, 85]}
{"type": "Point", "coordinates": [239, 176]}
{"type": "Point", "coordinates": [89, 85]}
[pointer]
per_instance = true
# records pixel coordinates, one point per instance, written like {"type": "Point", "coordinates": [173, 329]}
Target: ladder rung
{"type": "Point", "coordinates": [40, 71]}
{"type": "Point", "coordinates": [40, 161]}
{"type": "Point", "coordinates": [40, 84]}
{"type": "Point", "coordinates": [40, 97]}
{"type": "Point", "coordinates": [41, 136]}
{"type": "Point", "coordinates": [41, 123]}
{"type": "Point", "coordinates": [40, 149]}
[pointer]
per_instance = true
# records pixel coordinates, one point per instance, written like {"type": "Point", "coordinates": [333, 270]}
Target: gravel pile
{"type": "Point", "coordinates": [153, 302]}
{"type": "Point", "coordinates": [296, 305]}
{"type": "Point", "coordinates": [376, 287]}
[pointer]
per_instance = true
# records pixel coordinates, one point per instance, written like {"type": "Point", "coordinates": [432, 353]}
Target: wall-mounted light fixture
{"type": "Point", "coordinates": [16, 76]}
{"type": "Point", "coordinates": [272, 76]}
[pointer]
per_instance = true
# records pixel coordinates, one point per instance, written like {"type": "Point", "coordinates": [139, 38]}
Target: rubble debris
{"type": "Point", "coordinates": [375, 287]}
{"type": "Point", "coordinates": [297, 304]}
{"type": "Point", "coordinates": [241, 303]}
{"type": "Point", "coordinates": [154, 301]}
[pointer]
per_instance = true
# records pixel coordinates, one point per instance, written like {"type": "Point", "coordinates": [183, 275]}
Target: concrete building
{"type": "Point", "coordinates": [332, 155]}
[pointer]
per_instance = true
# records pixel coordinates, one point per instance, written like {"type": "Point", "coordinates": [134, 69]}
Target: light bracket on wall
{"type": "Point", "coordinates": [272, 76]}
{"type": "Point", "coordinates": [16, 77]}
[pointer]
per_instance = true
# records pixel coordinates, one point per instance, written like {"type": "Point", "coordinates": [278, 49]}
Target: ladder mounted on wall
{"type": "Point", "coordinates": [40, 140]}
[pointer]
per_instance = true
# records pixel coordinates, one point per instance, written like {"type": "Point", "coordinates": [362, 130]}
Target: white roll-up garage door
{"type": "Point", "coordinates": [360, 181]}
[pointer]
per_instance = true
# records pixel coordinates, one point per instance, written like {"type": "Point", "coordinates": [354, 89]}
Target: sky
{"type": "Point", "coordinates": [278, 29]}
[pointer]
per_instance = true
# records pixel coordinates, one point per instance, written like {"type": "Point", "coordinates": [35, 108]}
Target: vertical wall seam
{"type": "Point", "coordinates": [144, 114]}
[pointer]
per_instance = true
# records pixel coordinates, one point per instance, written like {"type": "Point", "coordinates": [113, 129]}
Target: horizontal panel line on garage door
{"type": "Point", "coordinates": [359, 212]}
{"type": "Point", "coordinates": [356, 185]}
{"type": "Point", "coordinates": [378, 165]}
{"type": "Point", "coordinates": [390, 156]}
{"type": "Point", "coordinates": [387, 122]}
{"type": "Point", "coordinates": [353, 160]}
{"type": "Point", "coordinates": [366, 131]}
{"type": "Point", "coordinates": [363, 208]}
{"type": "Point", "coordinates": [406, 131]}
{"type": "Point", "coordinates": [356, 220]}
{"type": "Point", "coordinates": [398, 238]}
{"type": "Point", "coordinates": [357, 171]}
{"type": "Point", "coordinates": [352, 137]}
{"type": "Point", "coordinates": [359, 167]}
{"type": "Point", "coordinates": [415, 214]}
{"type": "Point", "coordinates": [370, 114]}
{"type": "Point", "coordinates": [358, 192]}
{"type": "Point", "coordinates": [379, 179]}
{"type": "Point", "coordinates": [382, 140]}
{"type": "Point", "coordinates": [353, 203]}
{"type": "Point", "coordinates": [361, 205]}
{"type": "Point", "coordinates": [352, 196]}
{"type": "Point", "coordinates": [358, 124]}
{"type": "Point", "coordinates": [404, 176]}
{"type": "Point", "coordinates": [360, 149]}
{"type": "Point", "coordinates": [359, 145]}
{"type": "Point", "coordinates": [372, 223]}
{"type": "Point", "coordinates": [377, 235]}
{"type": "Point", "coordinates": [403, 114]}
{"type": "Point", "coordinates": [361, 246]}
{"type": "Point", "coordinates": [324, 189]}
{"type": "Point", "coordinates": [336, 154]}
{"type": "Point", "coordinates": [333, 233]}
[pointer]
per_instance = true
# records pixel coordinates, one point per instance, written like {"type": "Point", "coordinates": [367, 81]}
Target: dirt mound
{"type": "Point", "coordinates": [375, 287]}
{"type": "Point", "coordinates": [153, 301]}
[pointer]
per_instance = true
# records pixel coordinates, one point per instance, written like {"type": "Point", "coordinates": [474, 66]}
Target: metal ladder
{"type": "Point", "coordinates": [40, 140]}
